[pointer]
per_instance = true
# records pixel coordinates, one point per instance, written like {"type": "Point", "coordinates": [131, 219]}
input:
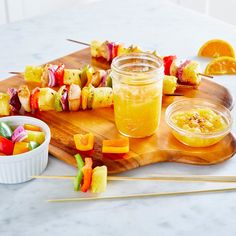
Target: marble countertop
{"type": "Point", "coordinates": [152, 25]}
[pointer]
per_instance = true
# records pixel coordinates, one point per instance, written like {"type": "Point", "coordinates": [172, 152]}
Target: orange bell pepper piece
{"type": "Point", "coordinates": [87, 173]}
{"type": "Point", "coordinates": [84, 142]}
{"type": "Point", "coordinates": [116, 145]}
{"type": "Point", "coordinates": [20, 147]}
{"type": "Point", "coordinates": [32, 127]}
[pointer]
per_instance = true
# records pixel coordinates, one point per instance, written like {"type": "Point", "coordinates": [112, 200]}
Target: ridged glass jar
{"type": "Point", "coordinates": [137, 80]}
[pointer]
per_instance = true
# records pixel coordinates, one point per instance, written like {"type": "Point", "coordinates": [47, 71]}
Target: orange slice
{"type": "Point", "coordinates": [221, 66]}
{"type": "Point", "coordinates": [216, 48]}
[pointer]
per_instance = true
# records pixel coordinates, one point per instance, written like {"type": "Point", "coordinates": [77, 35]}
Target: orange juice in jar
{"type": "Point", "coordinates": [137, 88]}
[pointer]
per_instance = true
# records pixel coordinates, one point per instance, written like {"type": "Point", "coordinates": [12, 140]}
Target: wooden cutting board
{"type": "Point", "coordinates": [161, 147]}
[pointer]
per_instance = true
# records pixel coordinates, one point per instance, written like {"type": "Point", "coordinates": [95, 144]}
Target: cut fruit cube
{"type": "Point", "coordinates": [72, 76]}
{"type": "Point", "coordinates": [46, 99]}
{"type": "Point", "coordinates": [99, 179]}
{"type": "Point", "coordinates": [35, 136]}
{"type": "Point", "coordinates": [33, 73]}
{"type": "Point", "coordinates": [4, 104]}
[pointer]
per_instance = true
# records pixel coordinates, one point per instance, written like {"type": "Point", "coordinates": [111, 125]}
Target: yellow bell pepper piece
{"type": "Point", "coordinates": [116, 146]}
{"type": "Point", "coordinates": [84, 142]}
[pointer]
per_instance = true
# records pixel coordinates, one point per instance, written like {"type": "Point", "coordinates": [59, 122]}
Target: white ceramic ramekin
{"type": "Point", "coordinates": [20, 168]}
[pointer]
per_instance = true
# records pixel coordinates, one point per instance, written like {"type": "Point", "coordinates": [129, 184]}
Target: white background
{"type": "Point", "coordinates": [14, 10]}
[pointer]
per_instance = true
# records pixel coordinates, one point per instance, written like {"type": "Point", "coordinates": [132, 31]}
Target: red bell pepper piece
{"type": "Point", "coordinates": [34, 98]}
{"type": "Point", "coordinates": [115, 50]}
{"type": "Point", "coordinates": [59, 74]}
{"type": "Point", "coordinates": [87, 172]}
{"type": "Point", "coordinates": [6, 146]}
{"type": "Point", "coordinates": [167, 63]}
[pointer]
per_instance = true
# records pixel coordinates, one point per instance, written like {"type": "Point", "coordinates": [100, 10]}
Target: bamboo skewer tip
{"type": "Point", "coordinates": [208, 76]}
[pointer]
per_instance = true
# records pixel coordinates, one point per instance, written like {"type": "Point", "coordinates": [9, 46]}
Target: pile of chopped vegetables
{"type": "Point", "coordinates": [19, 139]}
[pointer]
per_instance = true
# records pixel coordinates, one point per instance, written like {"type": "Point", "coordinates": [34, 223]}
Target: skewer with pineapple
{"type": "Point", "coordinates": [57, 75]}
{"type": "Point", "coordinates": [83, 77]}
{"type": "Point", "coordinates": [67, 98]}
{"type": "Point", "coordinates": [186, 71]}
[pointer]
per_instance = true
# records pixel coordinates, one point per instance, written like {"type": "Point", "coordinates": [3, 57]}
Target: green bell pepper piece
{"type": "Point", "coordinates": [79, 176]}
{"type": "Point", "coordinates": [57, 102]}
{"type": "Point", "coordinates": [5, 130]}
{"type": "Point", "coordinates": [33, 145]}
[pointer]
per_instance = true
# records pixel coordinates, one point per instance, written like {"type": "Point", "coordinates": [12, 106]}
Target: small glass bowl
{"type": "Point", "coordinates": [196, 139]}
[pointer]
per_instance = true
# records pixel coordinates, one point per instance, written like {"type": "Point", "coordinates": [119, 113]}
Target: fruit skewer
{"type": "Point", "coordinates": [84, 77]}
{"type": "Point", "coordinates": [67, 98]}
{"type": "Point", "coordinates": [109, 50]}
{"type": "Point", "coordinates": [57, 75]}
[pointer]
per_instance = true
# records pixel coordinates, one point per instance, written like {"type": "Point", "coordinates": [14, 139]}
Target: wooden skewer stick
{"type": "Point", "coordinates": [173, 94]}
{"type": "Point", "coordinates": [144, 195]}
{"type": "Point", "coordinates": [79, 42]}
{"type": "Point", "coordinates": [15, 73]}
{"type": "Point", "coordinates": [172, 178]}
{"type": "Point", "coordinates": [208, 76]}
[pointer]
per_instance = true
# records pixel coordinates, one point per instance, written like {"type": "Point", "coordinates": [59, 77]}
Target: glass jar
{"type": "Point", "coordinates": [137, 80]}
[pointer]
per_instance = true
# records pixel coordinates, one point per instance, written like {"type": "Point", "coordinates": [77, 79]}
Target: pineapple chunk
{"type": "Point", "coordinates": [103, 97]}
{"type": "Point", "coordinates": [169, 84]}
{"type": "Point", "coordinates": [99, 179]}
{"type": "Point", "coordinates": [33, 73]}
{"type": "Point", "coordinates": [46, 99]}
{"type": "Point", "coordinates": [190, 74]}
{"type": "Point", "coordinates": [95, 48]}
{"type": "Point", "coordinates": [72, 76]}
{"type": "Point", "coordinates": [4, 104]}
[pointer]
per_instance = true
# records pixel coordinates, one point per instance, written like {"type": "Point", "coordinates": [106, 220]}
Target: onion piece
{"type": "Point", "coordinates": [51, 75]}
{"type": "Point", "coordinates": [180, 70]}
{"type": "Point", "coordinates": [110, 46]}
{"type": "Point", "coordinates": [19, 134]}
{"type": "Point", "coordinates": [14, 99]}
{"type": "Point", "coordinates": [104, 79]}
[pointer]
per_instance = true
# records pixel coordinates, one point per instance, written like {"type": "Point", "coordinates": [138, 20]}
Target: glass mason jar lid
{"type": "Point", "coordinates": [137, 68]}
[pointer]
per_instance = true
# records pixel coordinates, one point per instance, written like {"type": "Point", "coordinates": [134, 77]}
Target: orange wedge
{"type": "Point", "coordinates": [221, 66]}
{"type": "Point", "coordinates": [216, 48]}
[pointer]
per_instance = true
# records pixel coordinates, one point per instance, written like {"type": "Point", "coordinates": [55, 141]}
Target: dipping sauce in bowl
{"type": "Point", "coordinates": [197, 122]}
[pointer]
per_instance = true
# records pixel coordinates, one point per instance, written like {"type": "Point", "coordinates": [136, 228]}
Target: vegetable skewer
{"type": "Point", "coordinates": [67, 98]}
{"type": "Point", "coordinates": [102, 78]}
{"type": "Point", "coordinates": [108, 50]}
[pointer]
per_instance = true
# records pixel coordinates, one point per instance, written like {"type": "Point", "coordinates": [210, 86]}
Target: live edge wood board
{"type": "Point", "coordinates": [160, 147]}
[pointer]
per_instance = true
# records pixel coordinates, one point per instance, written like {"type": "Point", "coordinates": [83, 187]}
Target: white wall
{"type": "Point", "coordinates": [13, 10]}
{"type": "Point", "coordinates": [3, 10]}
{"type": "Point", "coordinates": [222, 9]}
